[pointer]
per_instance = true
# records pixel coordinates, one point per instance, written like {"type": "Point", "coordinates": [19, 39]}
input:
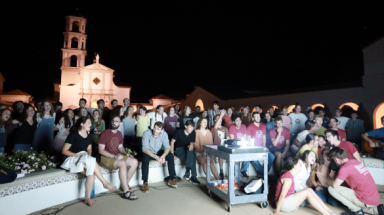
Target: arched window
{"type": "Point", "coordinates": [73, 61]}
{"type": "Point", "coordinates": [200, 103]}
{"type": "Point", "coordinates": [75, 27]}
{"type": "Point", "coordinates": [377, 114]}
{"type": "Point", "coordinates": [254, 110]}
{"type": "Point", "coordinates": [94, 103]}
{"type": "Point", "coordinates": [352, 105]}
{"type": "Point", "coordinates": [316, 105]}
{"type": "Point", "coordinates": [290, 108]}
{"type": "Point", "coordinates": [75, 43]}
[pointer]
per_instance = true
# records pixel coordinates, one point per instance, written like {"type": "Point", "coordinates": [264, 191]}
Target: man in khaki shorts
{"type": "Point", "coordinates": [114, 156]}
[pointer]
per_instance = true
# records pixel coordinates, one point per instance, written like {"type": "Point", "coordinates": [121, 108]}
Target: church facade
{"type": "Point", "coordinates": [92, 82]}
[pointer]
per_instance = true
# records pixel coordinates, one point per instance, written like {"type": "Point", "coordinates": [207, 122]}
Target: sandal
{"type": "Point", "coordinates": [130, 196]}
{"type": "Point", "coordinates": [130, 189]}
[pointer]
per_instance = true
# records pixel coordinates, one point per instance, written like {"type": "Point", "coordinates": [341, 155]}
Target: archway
{"type": "Point", "coordinates": [317, 105]}
{"type": "Point", "coordinates": [352, 105]}
{"type": "Point", "coordinates": [200, 103]}
{"type": "Point", "coordinates": [94, 103]}
{"type": "Point", "coordinates": [73, 61]}
{"type": "Point", "coordinates": [75, 27]}
{"type": "Point", "coordinates": [377, 114]}
{"type": "Point", "coordinates": [275, 107]}
{"type": "Point", "coordinates": [254, 110]}
{"type": "Point", "coordinates": [74, 43]}
{"type": "Point", "coordinates": [290, 108]}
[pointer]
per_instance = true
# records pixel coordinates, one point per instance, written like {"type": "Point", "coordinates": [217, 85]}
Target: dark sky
{"type": "Point", "coordinates": [168, 48]}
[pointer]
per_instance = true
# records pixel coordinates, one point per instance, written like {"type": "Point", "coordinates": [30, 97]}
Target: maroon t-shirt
{"type": "Point", "coordinates": [257, 133]}
{"type": "Point", "coordinates": [238, 133]}
{"type": "Point", "coordinates": [170, 124]}
{"type": "Point", "coordinates": [279, 186]}
{"type": "Point", "coordinates": [360, 181]}
{"type": "Point", "coordinates": [284, 136]}
{"type": "Point", "coordinates": [111, 141]}
{"type": "Point", "coordinates": [349, 147]}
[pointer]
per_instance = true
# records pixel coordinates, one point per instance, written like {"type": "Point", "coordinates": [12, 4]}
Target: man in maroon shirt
{"type": "Point", "coordinates": [334, 139]}
{"type": "Point", "coordinates": [280, 144]}
{"type": "Point", "coordinates": [333, 126]}
{"type": "Point", "coordinates": [363, 195]}
{"type": "Point", "coordinates": [114, 156]}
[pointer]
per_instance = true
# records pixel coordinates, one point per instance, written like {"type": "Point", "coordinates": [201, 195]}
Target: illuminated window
{"type": "Point", "coordinates": [354, 106]}
{"type": "Point", "coordinates": [316, 105]}
{"type": "Point", "coordinates": [94, 104]}
{"type": "Point", "coordinates": [290, 108]}
{"type": "Point", "coordinates": [275, 107]}
{"type": "Point", "coordinates": [200, 103]}
{"type": "Point", "coordinates": [377, 114]}
{"type": "Point", "coordinates": [254, 110]}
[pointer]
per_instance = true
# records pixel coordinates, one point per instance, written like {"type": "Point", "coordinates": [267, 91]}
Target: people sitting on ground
{"type": "Point", "coordinates": [285, 197]}
{"type": "Point", "coordinates": [114, 156]}
{"type": "Point", "coordinates": [342, 120]}
{"type": "Point", "coordinates": [298, 120]}
{"type": "Point", "coordinates": [157, 116]}
{"type": "Point", "coordinates": [333, 125]}
{"type": "Point", "coordinates": [306, 160]}
{"type": "Point", "coordinates": [280, 144]}
{"type": "Point", "coordinates": [182, 147]}
{"type": "Point", "coordinates": [312, 144]}
{"type": "Point", "coordinates": [212, 113]}
{"type": "Point", "coordinates": [300, 139]}
{"type": "Point", "coordinates": [334, 139]}
{"type": "Point", "coordinates": [153, 141]}
{"type": "Point", "coordinates": [77, 145]}
{"type": "Point", "coordinates": [204, 137]}
{"type": "Point", "coordinates": [257, 133]}
{"type": "Point", "coordinates": [27, 128]}
{"type": "Point", "coordinates": [319, 128]}
{"type": "Point", "coordinates": [363, 195]}
{"type": "Point", "coordinates": [377, 145]}
{"type": "Point", "coordinates": [219, 133]}
{"type": "Point", "coordinates": [322, 177]}
{"type": "Point", "coordinates": [355, 129]}
{"type": "Point", "coordinates": [63, 127]}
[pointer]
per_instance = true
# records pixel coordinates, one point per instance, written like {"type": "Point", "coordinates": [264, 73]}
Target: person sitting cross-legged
{"type": "Point", "coordinates": [114, 156]}
{"type": "Point", "coordinates": [153, 140]}
{"type": "Point", "coordinates": [363, 195]}
{"type": "Point", "coordinates": [182, 147]}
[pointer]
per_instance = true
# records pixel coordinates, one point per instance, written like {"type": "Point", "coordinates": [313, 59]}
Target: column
{"type": "Point", "coordinates": [79, 43]}
{"type": "Point", "coordinates": [78, 60]}
{"type": "Point", "coordinates": [69, 42]}
{"type": "Point", "coordinates": [63, 61]}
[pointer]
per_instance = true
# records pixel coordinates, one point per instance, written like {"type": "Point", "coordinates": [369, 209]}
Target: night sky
{"type": "Point", "coordinates": [168, 48]}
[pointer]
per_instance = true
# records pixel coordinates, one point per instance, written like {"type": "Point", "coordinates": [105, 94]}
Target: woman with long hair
{"type": "Point", "coordinates": [187, 115]}
{"type": "Point", "coordinates": [129, 123]}
{"type": "Point", "coordinates": [227, 118]}
{"type": "Point", "coordinates": [27, 129]}
{"type": "Point", "coordinates": [202, 114]}
{"type": "Point", "coordinates": [170, 122]}
{"type": "Point", "coordinates": [79, 143]}
{"type": "Point", "coordinates": [6, 127]}
{"type": "Point", "coordinates": [322, 177]}
{"type": "Point", "coordinates": [306, 161]}
{"type": "Point", "coordinates": [177, 109]}
{"type": "Point", "coordinates": [119, 111]}
{"type": "Point", "coordinates": [285, 197]}
{"type": "Point", "coordinates": [63, 127]}
{"type": "Point", "coordinates": [44, 133]}
{"type": "Point", "coordinates": [312, 145]}
{"type": "Point", "coordinates": [204, 137]}
{"type": "Point", "coordinates": [98, 125]}
{"type": "Point", "coordinates": [82, 112]}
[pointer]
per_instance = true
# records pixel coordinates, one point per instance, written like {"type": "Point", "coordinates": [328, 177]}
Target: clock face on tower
{"type": "Point", "coordinates": [96, 81]}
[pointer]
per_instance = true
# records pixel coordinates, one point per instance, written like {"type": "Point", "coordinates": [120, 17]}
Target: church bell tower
{"type": "Point", "coordinates": [75, 40]}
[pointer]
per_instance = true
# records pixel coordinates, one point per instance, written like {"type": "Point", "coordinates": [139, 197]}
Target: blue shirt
{"type": "Point", "coordinates": [154, 144]}
{"type": "Point", "coordinates": [377, 133]}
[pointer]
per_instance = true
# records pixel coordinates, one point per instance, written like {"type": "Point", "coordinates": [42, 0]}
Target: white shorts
{"type": "Point", "coordinates": [289, 204]}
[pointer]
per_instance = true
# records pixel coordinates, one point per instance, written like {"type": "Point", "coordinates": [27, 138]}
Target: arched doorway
{"type": "Point", "coordinates": [352, 105]}
{"type": "Point", "coordinates": [377, 114]}
{"type": "Point", "coordinates": [200, 103]}
{"type": "Point", "coordinates": [74, 43]}
{"type": "Point", "coordinates": [347, 108]}
{"type": "Point", "coordinates": [254, 110]}
{"type": "Point", "coordinates": [75, 27]}
{"type": "Point", "coordinates": [94, 103]}
{"type": "Point", "coordinates": [73, 61]}
{"type": "Point", "coordinates": [290, 108]}
{"type": "Point", "coordinates": [313, 107]}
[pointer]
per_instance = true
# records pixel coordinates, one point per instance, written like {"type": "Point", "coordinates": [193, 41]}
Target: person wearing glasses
{"type": "Point", "coordinates": [334, 139]}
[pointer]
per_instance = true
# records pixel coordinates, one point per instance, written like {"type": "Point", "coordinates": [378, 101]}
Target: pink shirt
{"type": "Point", "coordinates": [360, 181]}
{"type": "Point", "coordinates": [257, 133]}
{"type": "Point", "coordinates": [238, 133]}
{"type": "Point", "coordinates": [285, 135]}
{"type": "Point", "coordinates": [286, 122]}
{"type": "Point", "coordinates": [342, 133]}
{"type": "Point", "coordinates": [227, 121]}
{"type": "Point", "coordinates": [279, 186]}
{"type": "Point", "coordinates": [349, 147]}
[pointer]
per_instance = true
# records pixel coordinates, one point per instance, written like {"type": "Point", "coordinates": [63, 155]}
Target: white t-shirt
{"type": "Point", "coordinates": [301, 136]}
{"type": "Point", "coordinates": [302, 177]}
{"type": "Point", "coordinates": [297, 122]}
{"type": "Point", "coordinates": [342, 122]}
{"type": "Point", "coordinates": [160, 118]}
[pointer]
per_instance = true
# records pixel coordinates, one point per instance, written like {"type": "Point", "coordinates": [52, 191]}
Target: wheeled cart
{"type": "Point", "coordinates": [234, 196]}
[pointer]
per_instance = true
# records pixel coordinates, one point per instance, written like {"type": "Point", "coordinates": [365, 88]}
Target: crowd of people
{"type": "Point", "coordinates": [322, 163]}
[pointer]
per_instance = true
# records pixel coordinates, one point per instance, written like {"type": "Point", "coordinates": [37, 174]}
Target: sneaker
{"type": "Point", "coordinates": [173, 183]}
{"type": "Point", "coordinates": [194, 180]}
{"type": "Point", "coordinates": [146, 188]}
{"type": "Point", "coordinates": [221, 176]}
{"type": "Point", "coordinates": [187, 175]}
{"type": "Point", "coordinates": [244, 174]}
{"type": "Point", "coordinates": [380, 209]}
